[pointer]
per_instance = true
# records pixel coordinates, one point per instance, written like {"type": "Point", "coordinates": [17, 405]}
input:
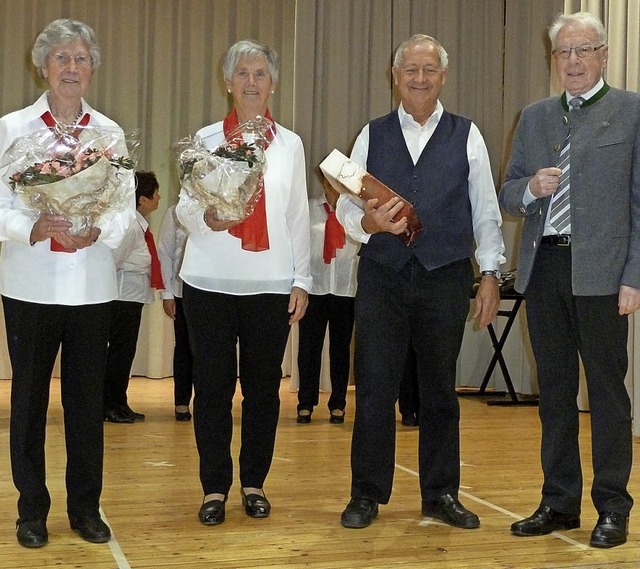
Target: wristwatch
{"type": "Point", "coordinates": [495, 274]}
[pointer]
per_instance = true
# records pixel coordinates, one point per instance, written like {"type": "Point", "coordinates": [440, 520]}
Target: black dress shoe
{"type": "Point", "coordinates": [129, 412]}
{"type": "Point", "coordinates": [91, 528]}
{"type": "Point", "coordinates": [544, 521]}
{"type": "Point", "coordinates": [212, 513]}
{"type": "Point", "coordinates": [449, 510]}
{"type": "Point", "coordinates": [32, 533]}
{"type": "Point", "coordinates": [183, 416]}
{"type": "Point", "coordinates": [336, 417]}
{"type": "Point", "coordinates": [359, 513]}
{"type": "Point", "coordinates": [611, 530]}
{"type": "Point", "coordinates": [304, 419]}
{"type": "Point", "coordinates": [115, 415]}
{"type": "Point", "coordinates": [255, 505]}
{"type": "Point", "coordinates": [410, 420]}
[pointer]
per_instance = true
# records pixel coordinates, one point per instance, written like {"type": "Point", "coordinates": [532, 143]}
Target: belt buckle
{"type": "Point", "coordinates": [564, 240]}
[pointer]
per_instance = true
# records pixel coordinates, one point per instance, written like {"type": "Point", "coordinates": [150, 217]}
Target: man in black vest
{"type": "Point", "coordinates": [418, 295]}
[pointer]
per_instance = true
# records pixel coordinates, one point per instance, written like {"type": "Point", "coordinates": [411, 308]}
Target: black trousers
{"type": "Point", "coordinates": [338, 313]}
{"type": "Point", "coordinates": [182, 359]}
{"type": "Point", "coordinates": [409, 396]}
{"type": "Point", "coordinates": [259, 326]}
{"type": "Point", "coordinates": [427, 310]}
{"type": "Point", "coordinates": [564, 328]}
{"type": "Point", "coordinates": [35, 333]}
{"type": "Point", "coordinates": [123, 340]}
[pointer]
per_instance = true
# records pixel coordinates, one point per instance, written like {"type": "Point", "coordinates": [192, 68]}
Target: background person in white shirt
{"type": "Point", "coordinates": [171, 242]}
{"type": "Point", "coordinates": [56, 299]}
{"type": "Point", "coordinates": [134, 262]}
{"type": "Point", "coordinates": [333, 267]}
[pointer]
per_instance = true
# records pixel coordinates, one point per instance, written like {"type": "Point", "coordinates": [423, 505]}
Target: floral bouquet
{"type": "Point", "coordinates": [80, 173]}
{"type": "Point", "coordinates": [228, 178]}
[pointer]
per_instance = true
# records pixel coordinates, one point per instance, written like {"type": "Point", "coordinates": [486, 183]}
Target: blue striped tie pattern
{"type": "Point", "coordinates": [560, 215]}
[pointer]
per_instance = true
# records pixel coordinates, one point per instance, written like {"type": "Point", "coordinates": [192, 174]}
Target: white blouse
{"type": "Point", "coordinates": [215, 261]}
{"type": "Point", "coordinates": [35, 273]}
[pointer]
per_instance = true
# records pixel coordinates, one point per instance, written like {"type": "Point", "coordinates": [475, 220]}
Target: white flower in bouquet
{"type": "Point", "coordinates": [228, 178]}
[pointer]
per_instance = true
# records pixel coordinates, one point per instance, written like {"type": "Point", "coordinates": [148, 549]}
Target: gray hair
{"type": "Point", "coordinates": [60, 32]}
{"type": "Point", "coordinates": [250, 48]}
{"type": "Point", "coordinates": [585, 18]}
{"type": "Point", "coordinates": [419, 39]}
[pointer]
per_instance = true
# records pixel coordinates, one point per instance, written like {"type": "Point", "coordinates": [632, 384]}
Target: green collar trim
{"type": "Point", "coordinates": [591, 101]}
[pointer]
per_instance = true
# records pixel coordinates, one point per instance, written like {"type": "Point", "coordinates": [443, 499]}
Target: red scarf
{"type": "Point", "coordinates": [334, 237]}
{"type": "Point", "coordinates": [253, 230]}
{"type": "Point", "coordinates": [156, 272]}
{"type": "Point", "coordinates": [48, 119]}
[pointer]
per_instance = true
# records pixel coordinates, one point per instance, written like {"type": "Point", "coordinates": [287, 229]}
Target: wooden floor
{"type": "Point", "coordinates": [152, 495]}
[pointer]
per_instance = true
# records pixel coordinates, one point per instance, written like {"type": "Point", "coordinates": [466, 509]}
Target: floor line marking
{"type": "Point", "coordinates": [114, 546]}
{"type": "Point", "coordinates": [500, 509]}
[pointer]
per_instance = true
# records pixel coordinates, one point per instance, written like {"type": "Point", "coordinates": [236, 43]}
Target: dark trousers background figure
{"type": "Point", "coordinates": [427, 310]}
{"type": "Point", "coordinates": [35, 333]}
{"type": "Point", "coordinates": [338, 313]}
{"type": "Point", "coordinates": [123, 340]}
{"type": "Point", "coordinates": [182, 359]}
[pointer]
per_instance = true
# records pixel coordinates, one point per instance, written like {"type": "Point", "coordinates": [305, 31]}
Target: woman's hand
{"type": "Point", "coordinates": [169, 307]}
{"type": "Point", "coordinates": [48, 226]}
{"type": "Point", "coordinates": [298, 301]}
{"type": "Point", "coordinates": [72, 242]}
{"type": "Point", "coordinates": [210, 218]}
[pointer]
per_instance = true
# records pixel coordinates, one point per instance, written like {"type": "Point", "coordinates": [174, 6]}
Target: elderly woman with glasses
{"type": "Point", "coordinates": [245, 283]}
{"type": "Point", "coordinates": [57, 296]}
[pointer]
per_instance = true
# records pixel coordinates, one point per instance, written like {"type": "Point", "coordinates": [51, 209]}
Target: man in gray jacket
{"type": "Point", "coordinates": [579, 269]}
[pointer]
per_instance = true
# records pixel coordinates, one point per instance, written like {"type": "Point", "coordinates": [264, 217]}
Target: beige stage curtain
{"type": "Point", "coordinates": [161, 73]}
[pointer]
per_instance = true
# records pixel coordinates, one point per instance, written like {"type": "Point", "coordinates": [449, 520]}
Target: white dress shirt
{"type": "Point", "coordinates": [133, 264]}
{"type": "Point", "coordinates": [35, 273]}
{"type": "Point", "coordinates": [215, 261]}
{"type": "Point", "coordinates": [482, 192]}
{"type": "Point", "coordinates": [339, 276]}
{"type": "Point", "coordinates": [171, 242]}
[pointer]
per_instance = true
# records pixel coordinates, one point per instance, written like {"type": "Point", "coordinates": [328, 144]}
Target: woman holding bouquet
{"type": "Point", "coordinates": [245, 281]}
{"type": "Point", "coordinates": [57, 298]}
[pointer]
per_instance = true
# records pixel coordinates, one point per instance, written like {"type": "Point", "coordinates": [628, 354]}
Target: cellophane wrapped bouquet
{"type": "Point", "coordinates": [80, 173]}
{"type": "Point", "coordinates": [229, 177]}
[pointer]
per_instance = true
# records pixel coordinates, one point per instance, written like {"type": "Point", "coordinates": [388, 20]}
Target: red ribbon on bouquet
{"type": "Point", "coordinates": [253, 230]}
{"type": "Point", "coordinates": [48, 119]}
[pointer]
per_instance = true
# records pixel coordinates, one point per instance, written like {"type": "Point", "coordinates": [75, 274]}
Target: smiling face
{"type": "Point", "coordinates": [251, 86]}
{"type": "Point", "coordinates": [67, 79]}
{"type": "Point", "coordinates": [419, 80]}
{"type": "Point", "coordinates": [577, 75]}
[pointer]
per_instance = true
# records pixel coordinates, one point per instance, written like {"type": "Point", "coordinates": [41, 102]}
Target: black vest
{"type": "Point", "coordinates": [437, 187]}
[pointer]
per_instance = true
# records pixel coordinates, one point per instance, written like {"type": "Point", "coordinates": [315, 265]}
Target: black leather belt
{"type": "Point", "coordinates": [560, 240]}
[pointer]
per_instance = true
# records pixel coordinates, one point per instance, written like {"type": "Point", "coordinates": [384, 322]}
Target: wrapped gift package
{"type": "Point", "coordinates": [347, 176]}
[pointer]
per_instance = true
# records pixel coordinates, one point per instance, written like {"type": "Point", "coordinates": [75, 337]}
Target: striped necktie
{"type": "Point", "coordinates": [560, 215]}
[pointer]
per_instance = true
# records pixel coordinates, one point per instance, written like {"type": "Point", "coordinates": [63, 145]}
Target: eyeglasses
{"type": "Point", "coordinates": [582, 51]}
{"type": "Point", "coordinates": [428, 71]}
{"type": "Point", "coordinates": [63, 60]}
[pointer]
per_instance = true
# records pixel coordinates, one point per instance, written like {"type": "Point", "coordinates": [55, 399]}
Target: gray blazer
{"type": "Point", "coordinates": [605, 188]}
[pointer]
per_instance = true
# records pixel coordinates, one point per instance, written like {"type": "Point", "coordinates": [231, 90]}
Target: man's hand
{"type": "Point", "coordinates": [487, 301]}
{"type": "Point", "coordinates": [169, 307]}
{"type": "Point", "coordinates": [628, 300]}
{"type": "Point", "coordinates": [378, 219]}
{"type": "Point", "coordinates": [545, 182]}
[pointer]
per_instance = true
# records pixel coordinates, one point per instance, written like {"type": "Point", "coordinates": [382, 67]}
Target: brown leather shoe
{"type": "Point", "coordinates": [448, 509]}
{"type": "Point", "coordinates": [610, 531]}
{"type": "Point", "coordinates": [544, 521]}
